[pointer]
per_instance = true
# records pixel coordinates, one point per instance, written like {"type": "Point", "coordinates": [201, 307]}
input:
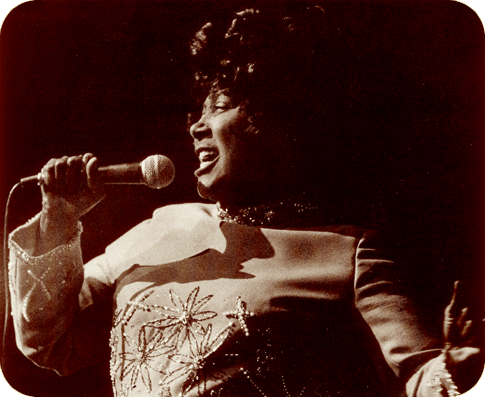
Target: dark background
{"type": "Point", "coordinates": [112, 78]}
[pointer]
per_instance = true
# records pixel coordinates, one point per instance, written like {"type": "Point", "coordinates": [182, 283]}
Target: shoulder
{"type": "Point", "coordinates": [170, 218]}
{"type": "Point", "coordinates": [185, 211]}
{"type": "Point", "coordinates": [173, 233]}
{"type": "Point", "coordinates": [377, 241]}
{"type": "Point", "coordinates": [337, 232]}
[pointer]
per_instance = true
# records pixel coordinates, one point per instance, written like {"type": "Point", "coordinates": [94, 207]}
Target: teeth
{"type": "Point", "coordinates": [207, 155]}
{"type": "Point", "coordinates": [208, 158]}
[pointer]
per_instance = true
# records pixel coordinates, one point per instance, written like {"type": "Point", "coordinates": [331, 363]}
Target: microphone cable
{"type": "Point", "coordinates": [6, 275]}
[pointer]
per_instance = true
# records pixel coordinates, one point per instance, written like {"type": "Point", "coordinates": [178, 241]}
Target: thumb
{"type": "Point", "coordinates": [92, 179]}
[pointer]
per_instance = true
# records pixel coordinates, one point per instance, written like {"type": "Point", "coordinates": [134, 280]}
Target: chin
{"type": "Point", "coordinates": [207, 192]}
{"type": "Point", "coordinates": [202, 190]}
{"type": "Point", "coordinates": [217, 191]}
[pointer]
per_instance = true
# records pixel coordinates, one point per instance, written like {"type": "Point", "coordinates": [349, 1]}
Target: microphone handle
{"type": "Point", "coordinates": [121, 174]}
{"type": "Point", "coordinates": [33, 178]}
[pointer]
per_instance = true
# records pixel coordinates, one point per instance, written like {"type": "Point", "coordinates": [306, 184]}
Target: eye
{"type": "Point", "coordinates": [222, 106]}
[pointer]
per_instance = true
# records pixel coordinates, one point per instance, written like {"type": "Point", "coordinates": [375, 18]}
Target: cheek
{"type": "Point", "coordinates": [236, 140]}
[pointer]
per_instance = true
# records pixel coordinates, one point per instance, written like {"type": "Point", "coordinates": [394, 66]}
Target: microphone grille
{"type": "Point", "coordinates": [158, 171]}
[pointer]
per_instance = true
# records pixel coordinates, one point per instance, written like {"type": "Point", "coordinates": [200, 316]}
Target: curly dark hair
{"type": "Point", "coordinates": [279, 65]}
{"type": "Point", "coordinates": [272, 61]}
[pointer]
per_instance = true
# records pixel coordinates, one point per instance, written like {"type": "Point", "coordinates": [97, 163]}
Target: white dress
{"type": "Point", "coordinates": [193, 306]}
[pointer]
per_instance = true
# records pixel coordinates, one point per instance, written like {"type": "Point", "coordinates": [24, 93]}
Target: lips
{"type": "Point", "coordinates": [208, 158]}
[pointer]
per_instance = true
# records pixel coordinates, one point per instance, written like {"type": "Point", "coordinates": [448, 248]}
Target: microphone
{"type": "Point", "coordinates": [155, 171]}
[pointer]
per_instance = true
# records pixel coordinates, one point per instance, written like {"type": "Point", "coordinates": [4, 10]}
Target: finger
{"type": "Point", "coordinates": [92, 173]}
{"type": "Point", "coordinates": [461, 319]}
{"type": "Point", "coordinates": [48, 175]}
{"type": "Point", "coordinates": [453, 309]}
{"type": "Point", "coordinates": [466, 328]}
{"type": "Point", "coordinates": [87, 157]}
{"type": "Point", "coordinates": [450, 330]}
{"type": "Point", "coordinates": [60, 168]}
{"type": "Point", "coordinates": [73, 174]}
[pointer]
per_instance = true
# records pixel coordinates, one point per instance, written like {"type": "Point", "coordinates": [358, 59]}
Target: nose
{"type": "Point", "coordinates": [199, 130]}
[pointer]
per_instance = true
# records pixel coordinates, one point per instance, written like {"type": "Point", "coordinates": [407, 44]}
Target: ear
{"type": "Point", "coordinates": [255, 123]}
{"type": "Point", "coordinates": [252, 130]}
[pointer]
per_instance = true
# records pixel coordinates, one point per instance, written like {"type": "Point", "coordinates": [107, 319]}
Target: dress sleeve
{"type": "Point", "coordinates": [57, 325]}
{"type": "Point", "coordinates": [410, 351]}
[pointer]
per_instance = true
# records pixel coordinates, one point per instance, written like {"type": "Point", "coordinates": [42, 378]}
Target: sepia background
{"type": "Point", "coordinates": [113, 78]}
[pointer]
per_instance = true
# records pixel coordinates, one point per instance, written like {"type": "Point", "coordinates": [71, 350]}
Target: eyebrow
{"type": "Point", "coordinates": [213, 98]}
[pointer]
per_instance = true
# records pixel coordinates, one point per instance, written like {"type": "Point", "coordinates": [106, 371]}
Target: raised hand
{"type": "Point", "coordinates": [463, 360]}
{"type": "Point", "coordinates": [69, 190]}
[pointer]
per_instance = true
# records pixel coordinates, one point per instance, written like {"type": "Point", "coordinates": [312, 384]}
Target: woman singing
{"type": "Point", "coordinates": [263, 291]}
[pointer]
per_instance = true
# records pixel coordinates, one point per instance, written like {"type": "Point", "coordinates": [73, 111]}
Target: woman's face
{"type": "Point", "coordinates": [229, 151]}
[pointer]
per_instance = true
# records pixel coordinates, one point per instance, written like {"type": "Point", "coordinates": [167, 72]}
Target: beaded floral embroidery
{"type": "Point", "coordinates": [180, 334]}
{"type": "Point", "coordinates": [179, 347]}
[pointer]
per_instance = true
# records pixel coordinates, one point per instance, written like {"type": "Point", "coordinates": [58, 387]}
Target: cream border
{"type": "Point", "coordinates": [8, 5]}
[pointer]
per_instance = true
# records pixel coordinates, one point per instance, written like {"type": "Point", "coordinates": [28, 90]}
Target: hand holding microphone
{"type": "Point", "coordinates": [155, 171]}
{"type": "Point", "coordinates": [72, 186]}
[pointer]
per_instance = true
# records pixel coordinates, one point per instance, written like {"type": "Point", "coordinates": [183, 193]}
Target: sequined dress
{"type": "Point", "coordinates": [193, 306]}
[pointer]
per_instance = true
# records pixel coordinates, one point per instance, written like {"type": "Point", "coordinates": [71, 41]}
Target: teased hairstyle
{"type": "Point", "coordinates": [273, 62]}
{"type": "Point", "coordinates": [287, 67]}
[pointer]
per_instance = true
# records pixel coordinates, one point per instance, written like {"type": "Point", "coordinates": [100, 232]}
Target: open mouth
{"type": "Point", "coordinates": [208, 158]}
